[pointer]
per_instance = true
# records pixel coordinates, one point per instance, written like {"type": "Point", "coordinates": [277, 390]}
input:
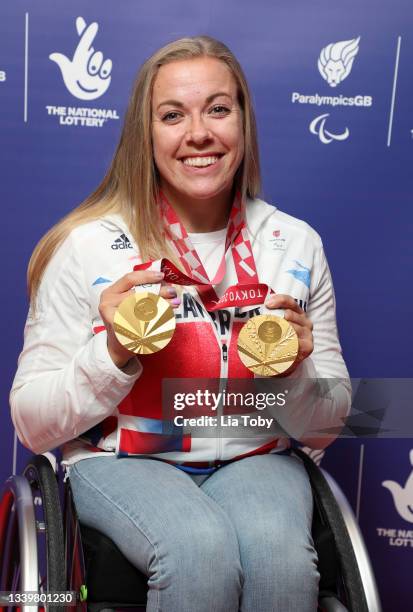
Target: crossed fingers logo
{"type": "Point", "coordinates": [87, 75]}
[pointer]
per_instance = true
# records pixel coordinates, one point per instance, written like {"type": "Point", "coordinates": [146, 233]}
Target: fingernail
{"type": "Point", "coordinates": [176, 301]}
{"type": "Point", "coordinates": [172, 291]}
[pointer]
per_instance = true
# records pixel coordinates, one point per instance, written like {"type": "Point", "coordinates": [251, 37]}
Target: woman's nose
{"type": "Point", "coordinates": [198, 132]}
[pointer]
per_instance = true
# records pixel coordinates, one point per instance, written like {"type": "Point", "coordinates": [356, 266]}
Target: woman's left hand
{"type": "Point", "coordinates": [296, 316]}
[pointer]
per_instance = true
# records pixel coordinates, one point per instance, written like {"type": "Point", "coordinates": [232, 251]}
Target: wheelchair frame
{"type": "Point", "coordinates": [64, 570]}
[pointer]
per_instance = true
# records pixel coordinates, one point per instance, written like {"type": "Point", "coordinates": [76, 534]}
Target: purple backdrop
{"type": "Point", "coordinates": [336, 153]}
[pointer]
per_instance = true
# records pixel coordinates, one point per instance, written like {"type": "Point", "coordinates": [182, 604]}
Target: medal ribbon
{"type": "Point", "coordinates": [248, 292]}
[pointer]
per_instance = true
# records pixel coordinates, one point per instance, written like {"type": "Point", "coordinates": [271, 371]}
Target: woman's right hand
{"type": "Point", "coordinates": [111, 297]}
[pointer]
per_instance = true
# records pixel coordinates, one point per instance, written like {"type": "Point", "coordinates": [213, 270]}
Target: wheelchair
{"type": "Point", "coordinates": [82, 560]}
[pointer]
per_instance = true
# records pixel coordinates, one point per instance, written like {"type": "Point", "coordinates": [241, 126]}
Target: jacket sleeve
{"type": "Point", "coordinates": [66, 381]}
{"type": "Point", "coordinates": [319, 389]}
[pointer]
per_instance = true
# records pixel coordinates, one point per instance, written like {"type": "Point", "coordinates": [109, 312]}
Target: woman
{"type": "Point", "coordinates": [231, 528]}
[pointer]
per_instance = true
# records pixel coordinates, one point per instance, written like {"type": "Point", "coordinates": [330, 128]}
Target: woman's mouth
{"type": "Point", "coordinates": [201, 161]}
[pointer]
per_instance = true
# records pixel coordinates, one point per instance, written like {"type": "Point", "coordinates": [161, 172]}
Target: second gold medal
{"type": "Point", "coordinates": [267, 345]}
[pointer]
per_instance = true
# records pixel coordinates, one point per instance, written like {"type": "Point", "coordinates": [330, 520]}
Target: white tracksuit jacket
{"type": "Point", "coordinates": [67, 386]}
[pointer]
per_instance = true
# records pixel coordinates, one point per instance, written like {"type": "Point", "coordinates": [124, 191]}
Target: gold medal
{"type": "Point", "coordinates": [144, 323]}
{"type": "Point", "coordinates": [267, 345]}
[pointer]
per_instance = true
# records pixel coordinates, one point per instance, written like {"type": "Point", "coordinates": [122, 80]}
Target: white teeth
{"type": "Point", "coordinates": [200, 162]}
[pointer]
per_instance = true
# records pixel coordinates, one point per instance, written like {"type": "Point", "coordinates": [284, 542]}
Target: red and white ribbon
{"type": "Point", "coordinates": [247, 292]}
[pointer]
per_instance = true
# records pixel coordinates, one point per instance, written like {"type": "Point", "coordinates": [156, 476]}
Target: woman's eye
{"type": "Point", "coordinates": [172, 116]}
{"type": "Point", "coordinates": [219, 110]}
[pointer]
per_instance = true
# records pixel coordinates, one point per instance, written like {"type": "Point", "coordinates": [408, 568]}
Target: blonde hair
{"type": "Point", "coordinates": [130, 186]}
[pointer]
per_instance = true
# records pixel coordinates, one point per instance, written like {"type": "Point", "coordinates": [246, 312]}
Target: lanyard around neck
{"type": "Point", "coordinates": [247, 292]}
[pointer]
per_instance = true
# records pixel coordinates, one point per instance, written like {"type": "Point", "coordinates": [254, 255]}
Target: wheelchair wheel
{"type": "Point", "coordinates": [356, 587]}
{"type": "Point", "coordinates": [18, 539]}
{"type": "Point", "coordinates": [31, 523]}
{"type": "Point", "coordinates": [12, 574]}
{"type": "Point", "coordinates": [42, 478]}
{"type": "Point", "coordinates": [75, 562]}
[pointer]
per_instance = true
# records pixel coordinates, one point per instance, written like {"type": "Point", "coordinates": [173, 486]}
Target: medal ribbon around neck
{"type": "Point", "coordinates": [248, 292]}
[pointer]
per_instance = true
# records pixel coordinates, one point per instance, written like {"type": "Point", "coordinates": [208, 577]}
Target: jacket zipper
{"type": "Point", "coordinates": [223, 368]}
{"type": "Point", "coordinates": [225, 342]}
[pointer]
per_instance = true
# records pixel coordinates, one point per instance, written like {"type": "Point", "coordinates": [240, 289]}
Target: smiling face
{"type": "Point", "coordinates": [197, 133]}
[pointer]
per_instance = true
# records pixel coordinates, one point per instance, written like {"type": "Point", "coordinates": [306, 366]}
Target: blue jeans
{"type": "Point", "coordinates": [241, 540]}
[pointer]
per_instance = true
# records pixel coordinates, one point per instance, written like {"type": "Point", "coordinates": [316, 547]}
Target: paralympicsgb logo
{"type": "Point", "coordinates": [336, 60]}
{"type": "Point", "coordinates": [317, 127]}
{"type": "Point", "coordinates": [87, 75]}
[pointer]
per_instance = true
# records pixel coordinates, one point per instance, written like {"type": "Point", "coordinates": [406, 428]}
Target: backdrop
{"type": "Point", "coordinates": [332, 86]}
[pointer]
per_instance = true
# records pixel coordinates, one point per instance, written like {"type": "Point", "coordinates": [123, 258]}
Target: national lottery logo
{"type": "Point", "coordinates": [402, 494]}
{"type": "Point", "coordinates": [87, 75]}
{"type": "Point", "coordinates": [336, 60]}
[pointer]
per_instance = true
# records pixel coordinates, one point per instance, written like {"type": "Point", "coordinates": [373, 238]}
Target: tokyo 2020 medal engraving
{"type": "Point", "coordinates": [267, 345]}
{"type": "Point", "coordinates": [144, 323]}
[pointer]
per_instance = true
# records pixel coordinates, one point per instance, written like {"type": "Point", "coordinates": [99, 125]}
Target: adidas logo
{"type": "Point", "coordinates": [122, 242]}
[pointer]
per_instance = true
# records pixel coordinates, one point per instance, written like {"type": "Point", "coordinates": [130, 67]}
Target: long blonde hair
{"type": "Point", "coordinates": [130, 186]}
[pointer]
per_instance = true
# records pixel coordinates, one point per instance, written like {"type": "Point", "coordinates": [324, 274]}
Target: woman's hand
{"type": "Point", "coordinates": [111, 297]}
{"type": "Point", "coordinates": [296, 316]}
